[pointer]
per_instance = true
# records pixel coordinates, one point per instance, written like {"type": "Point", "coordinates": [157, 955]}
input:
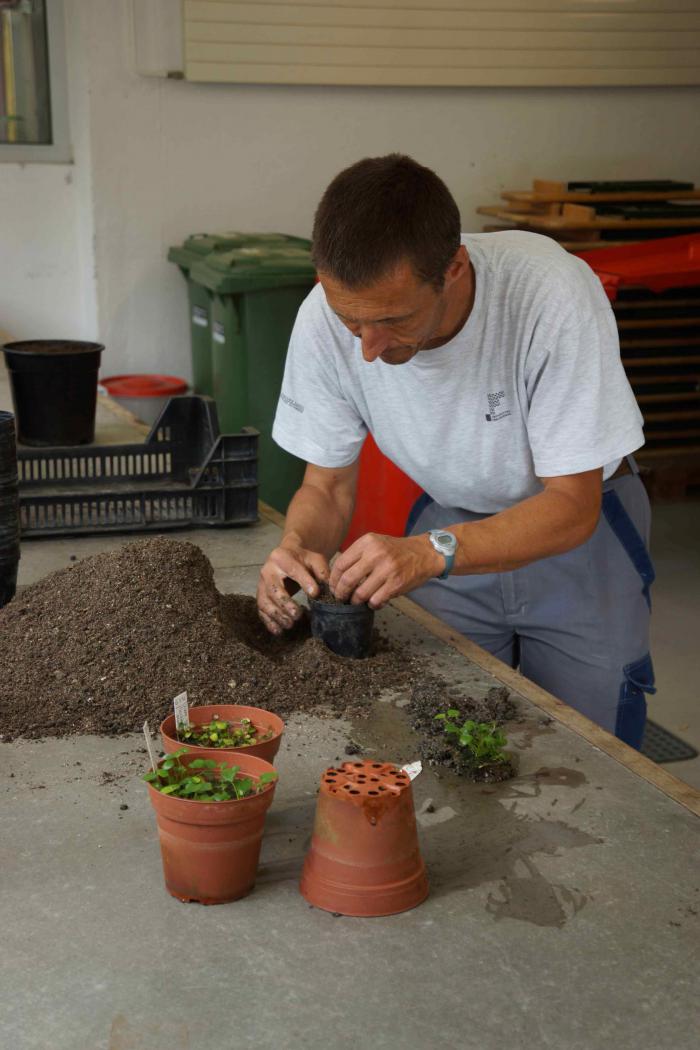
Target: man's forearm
{"type": "Point", "coordinates": [552, 522]}
{"type": "Point", "coordinates": [317, 520]}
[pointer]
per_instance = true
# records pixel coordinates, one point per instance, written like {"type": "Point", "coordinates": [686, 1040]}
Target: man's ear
{"type": "Point", "coordinates": [458, 267]}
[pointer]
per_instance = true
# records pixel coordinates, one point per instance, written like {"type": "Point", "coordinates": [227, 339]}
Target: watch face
{"type": "Point", "coordinates": [445, 541]}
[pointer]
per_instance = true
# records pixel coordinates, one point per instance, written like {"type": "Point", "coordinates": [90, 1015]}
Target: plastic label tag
{"type": "Point", "coordinates": [199, 317]}
{"type": "Point", "coordinates": [149, 746]}
{"type": "Point", "coordinates": [219, 332]}
{"type": "Point", "coordinates": [182, 710]}
{"type": "Point", "coordinates": [413, 769]}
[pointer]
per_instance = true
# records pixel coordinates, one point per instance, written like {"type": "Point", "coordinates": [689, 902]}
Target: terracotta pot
{"type": "Point", "coordinates": [364, 857]}
{"type": "Point", "coordinates": [264, 720]}
{"type": "Point", "coordinates": [210, 850]}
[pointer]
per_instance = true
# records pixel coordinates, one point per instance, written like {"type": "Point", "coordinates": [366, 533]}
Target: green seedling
{"type": "Point", "coordinates": [219, 733]}
{"type": "Point", "coordinates": [482, 742]}
{"type": "Point", "coordinates": [205, 780]}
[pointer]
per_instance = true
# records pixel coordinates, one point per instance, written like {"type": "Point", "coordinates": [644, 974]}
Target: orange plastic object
{"type": "Point", "coordinates": [385, 496]}
{"type": "Point", "coordinates": [210, 850]}
{"type": "Point", "coordinates": [669, 262]}
{"type": "Point", "coordinates": [263, 720]}
{"type": "Point", "coordinates": [364, 858]}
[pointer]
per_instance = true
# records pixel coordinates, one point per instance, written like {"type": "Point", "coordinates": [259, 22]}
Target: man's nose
{"type": "Point", "coordinates": [374, 342]}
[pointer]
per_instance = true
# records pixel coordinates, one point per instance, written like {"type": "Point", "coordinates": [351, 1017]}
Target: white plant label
{"type": "Point", "coordinates": [149, 746]}
{"type": "Point", "coordinates": [413, 769]}
{"type": "Point", "coordinates": [182, 710]}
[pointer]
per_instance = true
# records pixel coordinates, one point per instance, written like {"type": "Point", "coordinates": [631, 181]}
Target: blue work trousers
{"type": "Point", "coordinates": [577, 623]}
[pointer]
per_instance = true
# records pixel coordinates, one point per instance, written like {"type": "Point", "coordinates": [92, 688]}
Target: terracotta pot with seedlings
{"type": "Point", "coordinates": [364, 858]}
{"type": "Point", "coordinates": [211, 816]}
{"type": "Point", "coordinates": [226, 727]}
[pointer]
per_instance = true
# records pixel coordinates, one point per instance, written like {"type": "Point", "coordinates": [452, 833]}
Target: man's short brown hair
{"type": "Point", "coordinates": [380, 212]}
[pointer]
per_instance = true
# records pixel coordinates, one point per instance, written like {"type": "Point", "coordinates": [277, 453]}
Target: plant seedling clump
{"type": "Point", "coordinates": [219, 733]}
{"type": "Point", "coordinates": [204, 780]}
{"type": "Point", "coordinates": [478, 747]}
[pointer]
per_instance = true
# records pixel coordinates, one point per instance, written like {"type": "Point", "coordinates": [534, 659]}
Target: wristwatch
{"type": "Point", "coordinates": [445, 543]}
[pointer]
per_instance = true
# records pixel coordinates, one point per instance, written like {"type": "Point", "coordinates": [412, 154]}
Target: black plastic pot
{"type": "Point", "coordinates": [8, 449]}
{"type": "Point", "coordinates": [8, 578]}
{"type": "Point", "coordinates": [9, 509]}
{"type": "Point", "coordinates": [54, 390]}
{"type": "Point", "coordinates": [345, 629]}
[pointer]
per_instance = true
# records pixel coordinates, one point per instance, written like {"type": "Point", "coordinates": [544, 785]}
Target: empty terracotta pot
{"type": "Point", "coordinates": [210, 850]}
{"type": "Point", "coordinates": [262, 720]}
{"type": "Point", "coordinates": [364, 858]}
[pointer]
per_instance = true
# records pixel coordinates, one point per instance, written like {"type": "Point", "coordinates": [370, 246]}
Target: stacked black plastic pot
{"type": "Point", "coordinates": [9, 509]}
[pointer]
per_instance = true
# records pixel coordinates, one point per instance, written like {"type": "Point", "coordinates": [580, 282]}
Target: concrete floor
{"type": "Point", "coordinates": [675, 626]}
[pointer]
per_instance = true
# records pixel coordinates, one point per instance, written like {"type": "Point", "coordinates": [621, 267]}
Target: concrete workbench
{"type": "Point", "coordinates": [563, 910]}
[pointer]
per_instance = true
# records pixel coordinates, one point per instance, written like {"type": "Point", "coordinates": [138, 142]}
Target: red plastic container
{"type": "Point", "coordinates": [144, 395]}
{"type": "Point", "coordinates": [669, 262]}
{"type": "Point", "coordinates": [385, 496]}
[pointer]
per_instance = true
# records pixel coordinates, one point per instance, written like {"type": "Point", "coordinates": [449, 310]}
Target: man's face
{"type": "Point", "coordinates": [394, 318]}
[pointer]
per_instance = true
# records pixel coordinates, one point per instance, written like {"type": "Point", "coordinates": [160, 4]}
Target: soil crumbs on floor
{"type": "Point", "coordinates": [106, 644]}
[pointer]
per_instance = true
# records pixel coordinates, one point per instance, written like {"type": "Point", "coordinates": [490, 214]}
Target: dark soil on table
{"type": "Point", "coordinates": [107, 643]}
{"type": "Point", "coordinates": [431, 698]}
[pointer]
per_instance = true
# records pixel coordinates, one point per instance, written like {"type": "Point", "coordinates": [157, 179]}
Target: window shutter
{"type": "Point", "coordinates": [444, 43]}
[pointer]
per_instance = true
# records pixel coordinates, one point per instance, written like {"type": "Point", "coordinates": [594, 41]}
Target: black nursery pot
{"type": "Point", "coordinates": [54, 390]}
{"type": "Point", "coordinates": [345, 629]}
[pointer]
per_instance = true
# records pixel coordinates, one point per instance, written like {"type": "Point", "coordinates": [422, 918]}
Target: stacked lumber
{"type": "Point", "coordinates": [659, 330]}
{"type": "Point", "coordinates": [660, 349]}
{"type": "Point", "coordinates": [586, 215]}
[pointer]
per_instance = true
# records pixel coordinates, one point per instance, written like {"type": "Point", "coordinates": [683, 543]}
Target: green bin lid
{"type": "Point", "coordinates": [256, 267]}
{"type": "Point", "coordinates": [199, 245]}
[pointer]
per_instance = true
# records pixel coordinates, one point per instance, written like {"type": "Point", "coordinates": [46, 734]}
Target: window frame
{"type": "Point", "coordinates": [59, 151]}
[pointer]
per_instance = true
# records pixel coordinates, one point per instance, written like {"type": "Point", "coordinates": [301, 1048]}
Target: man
{"type": "Point", "coordinates": [487, 367]}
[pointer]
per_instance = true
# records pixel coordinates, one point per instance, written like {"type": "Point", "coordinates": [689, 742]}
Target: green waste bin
{"type": "Point", "coordinates": [194, 250]}
{"type": "Point", "coordinates": [256, 290]}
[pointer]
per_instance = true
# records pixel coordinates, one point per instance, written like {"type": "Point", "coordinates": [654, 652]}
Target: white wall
{"type": "Point", "coordinates": [167, 158]}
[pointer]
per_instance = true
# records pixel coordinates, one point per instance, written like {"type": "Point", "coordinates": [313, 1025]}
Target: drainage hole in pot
{"type": "Point", "coordinates": [375, 780]}
{"type": "Point", "coordinates": [372, 792]}
{"type": "Point", "coordinates": [376, 765]}
{"type": "Point", "coordinates": [358, 765]}
{"type": "Point", "coordinates": [354, 791]}
{"type": "Point", "coordinates": [382, 787]}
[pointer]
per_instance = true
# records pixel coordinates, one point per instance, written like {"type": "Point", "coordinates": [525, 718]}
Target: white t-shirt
{"type": "Point", "coordinates": [531, 387]}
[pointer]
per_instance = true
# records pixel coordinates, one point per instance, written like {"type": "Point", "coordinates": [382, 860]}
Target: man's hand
{"type": "Point", "coordinates": [378, 568]}
{"type": "Point", "coordinates": [288, 568]}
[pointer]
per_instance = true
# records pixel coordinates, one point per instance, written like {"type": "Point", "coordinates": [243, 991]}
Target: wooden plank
{"type": "Point", "coordinates": [652, 399]}
{"type": "Point", "coordinates": [633, 760]}
{"type": "Point", "coordinates": [652, 362]}
{"type": "Point", "coordinates": [672, 455]}
{"type": "Point", "coordinates": [655, 304]}
{"type": "Point", "coordinates": [560, 222]}
{"type": "Point", "coordinates": [672, 435]}
{"type": "Point", "coordinates": [553, 197]}
{"type": "Point", "coordinates": [661, 417]}
{"type": "Point", "coordinates": [658, 322]}
{"type": "Point", "coordinates": [652, 344]}
{"type": "Point", "coordinates": [692, 377]}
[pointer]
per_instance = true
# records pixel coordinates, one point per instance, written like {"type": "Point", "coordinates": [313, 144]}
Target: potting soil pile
{"type": "Point", "coordinates": [108, 643]}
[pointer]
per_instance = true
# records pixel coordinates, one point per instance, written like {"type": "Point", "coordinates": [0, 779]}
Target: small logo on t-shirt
{"type": "Point", "coordinates": [292, 403]}
{"type": "Point", "coordinates": [497, 406]}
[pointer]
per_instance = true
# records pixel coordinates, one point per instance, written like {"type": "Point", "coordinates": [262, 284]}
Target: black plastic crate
{"type": "Point", "coordinates": [185, 474]}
